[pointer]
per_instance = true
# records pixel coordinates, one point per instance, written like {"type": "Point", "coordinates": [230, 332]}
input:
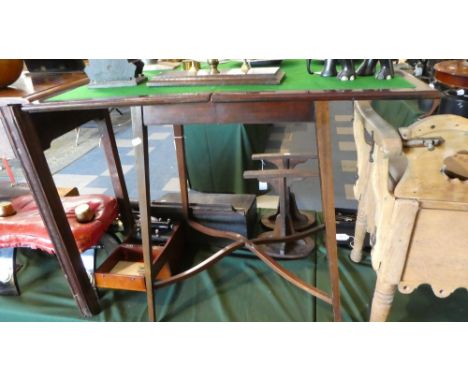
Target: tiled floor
{"type": "Point", "coordinates": [88, 170]}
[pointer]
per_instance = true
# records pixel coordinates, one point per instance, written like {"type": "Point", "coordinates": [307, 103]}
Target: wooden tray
{"type": "Point", "coordinates": [124, 268]}
{"type": "Point", "coordinates": [255, 76]}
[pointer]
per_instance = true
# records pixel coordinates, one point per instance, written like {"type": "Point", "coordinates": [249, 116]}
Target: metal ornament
{"type": "Point", "coordinates": [114, 73]}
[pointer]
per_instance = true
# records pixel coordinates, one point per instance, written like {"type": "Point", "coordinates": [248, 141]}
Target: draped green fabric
{"type": "Point", "coordinates": [218, 155]}
{"type": "Point", "coordinates": [235, 289]}
{"type": "Point", "coordinates": [398, 113]}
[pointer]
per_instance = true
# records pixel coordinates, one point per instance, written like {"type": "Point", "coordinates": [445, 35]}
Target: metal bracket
{"type": "Point", "coordinates": [429, 143]}
{"type": "Point", "coordinates": [8, 284]}
{"type": "Point", "coordinates": [88, 258]}
{"type": "Point", "coordinates": [369, 138]}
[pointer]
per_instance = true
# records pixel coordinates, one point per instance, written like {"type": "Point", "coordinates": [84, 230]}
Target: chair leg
{"type": "Point", "coordinates": [359, 233]}
{"type": "Point", "coordinates": [8, 284]}
{"type": "Point", "coordinates": [88, 258]}
{"type": "Point", "coordinates": [10, 174]}
{"type": "Point", "coordinates": [382, 301]}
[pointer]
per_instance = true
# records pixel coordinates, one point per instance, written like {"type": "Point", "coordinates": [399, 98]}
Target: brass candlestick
{"type": "Point", "coordinates": [213, 66]}
{"type": "Point", "coordinates": [194, 68]}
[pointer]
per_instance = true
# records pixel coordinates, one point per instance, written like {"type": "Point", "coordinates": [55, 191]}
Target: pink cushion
{"type": "Point", "coordinates": [26, 228]}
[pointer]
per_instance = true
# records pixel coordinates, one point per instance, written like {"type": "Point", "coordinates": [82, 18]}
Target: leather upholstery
{"type": "Point", "coordinates": [26, 228]}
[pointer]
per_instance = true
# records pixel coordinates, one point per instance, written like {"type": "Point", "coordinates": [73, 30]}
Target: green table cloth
{"type": "Point", "coordinates": [296, 79]}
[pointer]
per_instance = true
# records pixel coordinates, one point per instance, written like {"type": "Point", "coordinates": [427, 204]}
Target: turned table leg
{"type": "Point", "coordinates": [382, 300]}
{"type": "Point", "coordinates": [359, 232]}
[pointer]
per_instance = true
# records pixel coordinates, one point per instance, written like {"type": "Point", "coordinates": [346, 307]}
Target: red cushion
{"type": "Point", "coordinates": [26, 228]}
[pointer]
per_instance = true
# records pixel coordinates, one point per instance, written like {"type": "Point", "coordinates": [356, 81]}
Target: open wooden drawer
{"type": "Point", "coordinates": [124, 268]}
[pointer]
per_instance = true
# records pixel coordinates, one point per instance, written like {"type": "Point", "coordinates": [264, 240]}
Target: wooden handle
{"type": "Point", "coordinates": [84, 213]}
{"type": "Point", "coordinates": [6, 209]}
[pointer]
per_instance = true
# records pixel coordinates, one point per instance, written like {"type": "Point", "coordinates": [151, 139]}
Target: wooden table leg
{"type": "Point", "coordinates": [140, 143]}
{"type": "Point", "coordinates": [116, 173]}
{"type": "Point", "coordinates": [324, 149]}
{"type": "Point", "coordinates": [25, 142]}
{"type": "Point", "coordinates": [180, 153]}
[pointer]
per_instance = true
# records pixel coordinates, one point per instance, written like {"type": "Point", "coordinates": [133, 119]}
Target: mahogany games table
{"type": "Point", "coordinates": [29, 136]}
{"type": "Point", "coordinates": [299, 98]}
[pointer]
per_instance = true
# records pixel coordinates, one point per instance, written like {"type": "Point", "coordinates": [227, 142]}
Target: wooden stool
{"type": "Point", "coordinates": [284, 223]}
{"type": "Point", "coordinates": [418, 211]}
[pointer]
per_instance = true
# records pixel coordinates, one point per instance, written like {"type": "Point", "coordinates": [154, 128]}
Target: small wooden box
{"type": "Point", "coordinates": [124, 268]}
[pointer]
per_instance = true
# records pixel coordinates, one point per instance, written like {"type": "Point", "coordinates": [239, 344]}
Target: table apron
{"type": "Point", "coordinates": [232, 112]}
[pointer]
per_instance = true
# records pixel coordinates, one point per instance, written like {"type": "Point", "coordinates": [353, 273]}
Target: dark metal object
{"type": "Point", "coordinates": [452, 103]}
{"type": "Point", "coordinates": [347, 71]}
{"type": "Point", "coordinates": [309, 66]}
{"type": "Point", "coordinates": [369, 138]}
{"type": "Point", "coordinates": [8, 284]}
{"type": "Point", "coordinates": [430, 142]}
{"type": "Point", "coordinates": [368, 66]}
{"type": "Point", "coordinates": [329, 68]}
{"type": "Point", "coordinates": [114, 73]}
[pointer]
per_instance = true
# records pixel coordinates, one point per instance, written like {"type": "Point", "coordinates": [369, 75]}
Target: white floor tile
{"type": "Point", "coordinates": [347, 146]}
{"type": "Point", "coordinates": [343, 118]}
{"type": "Point", "coordinates": [349, 191]}
{"type": "Point", "coordinates": [131, 153]}
{"type": "Point", "coordinates": [125, 168]}
{"type": "Point", "coordinates": [172, 186]}
{"type": "Point", "coordinates": [348, 165]}
{"type": "Point", "coordinates": [73, 180]}
{"type": "Point", "coordinates": [158, 136]}
{"type": "Point", "coordinates": [344, 130]}
{"type": "Point", "coordinates": [92, 190]}
{"type": "Point", "coordinates": [124, 143]}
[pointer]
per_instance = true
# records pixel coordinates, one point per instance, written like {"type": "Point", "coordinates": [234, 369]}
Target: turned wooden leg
{"type": "Point", "coordinates": [359, 233]}
{"type": "Point", "coordinates": [382, 301]}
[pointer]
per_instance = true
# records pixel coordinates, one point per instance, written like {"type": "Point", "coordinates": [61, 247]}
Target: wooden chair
{"type": "Point", "coordinates": [416, 213]}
